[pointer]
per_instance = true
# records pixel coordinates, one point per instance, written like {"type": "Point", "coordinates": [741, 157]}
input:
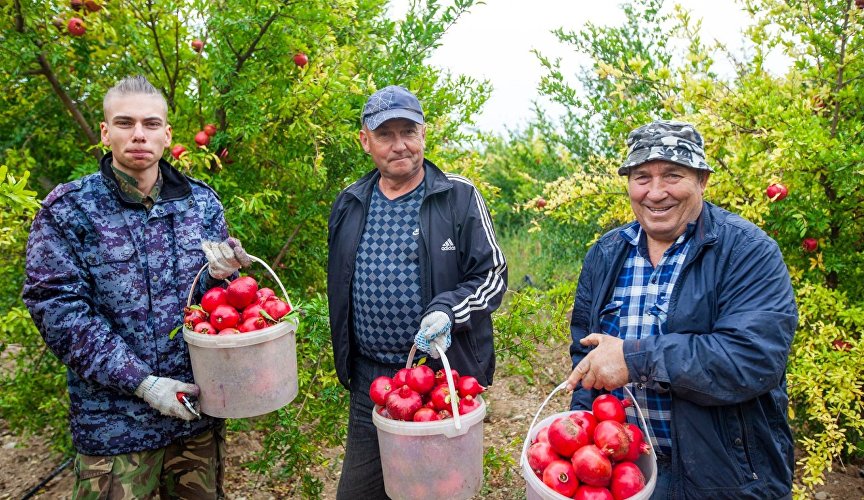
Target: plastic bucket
{"type": "Point", "coordinates": [245, 374]}
{"type": "Point", "coordinates": [535, 489]}
{"type": "Point", "coordinates": [432, 460]}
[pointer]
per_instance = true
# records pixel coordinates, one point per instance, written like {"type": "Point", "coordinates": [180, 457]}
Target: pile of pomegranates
{"type": "Point", "coordinates": [419, 394]}
{"type": "Point", "coordinates": [239, 308]}
{"type": "Point", "coordinates": [591, 455]}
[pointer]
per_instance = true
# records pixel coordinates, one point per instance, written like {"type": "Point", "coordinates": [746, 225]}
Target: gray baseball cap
{"type": "Point", "coordinates": [672, 141]}
{"type": "Point", "coordinates": [391, 102]}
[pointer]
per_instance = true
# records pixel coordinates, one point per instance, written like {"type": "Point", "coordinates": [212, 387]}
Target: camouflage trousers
{"type": "Point", "coordinates": [187, 468]}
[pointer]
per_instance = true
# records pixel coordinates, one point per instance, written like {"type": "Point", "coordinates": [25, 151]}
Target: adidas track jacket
{"type": "Point", "coordinates": [463, 271]}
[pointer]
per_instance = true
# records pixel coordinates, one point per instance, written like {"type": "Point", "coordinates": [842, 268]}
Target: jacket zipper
{"type": "Point", "coordinates": [745, 441]}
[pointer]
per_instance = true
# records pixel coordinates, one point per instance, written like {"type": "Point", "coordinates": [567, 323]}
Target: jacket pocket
{"type": "Point", "coordinates": [712, 438]}
{"type": "Point", "coordinates": [110, 261]}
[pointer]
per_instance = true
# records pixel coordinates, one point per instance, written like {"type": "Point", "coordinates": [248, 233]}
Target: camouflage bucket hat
{"type": "Point", "coordinates": [672, 141]}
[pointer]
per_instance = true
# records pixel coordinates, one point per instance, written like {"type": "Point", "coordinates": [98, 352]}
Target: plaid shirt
{"type": "Point", "coordinates": [638, 309]}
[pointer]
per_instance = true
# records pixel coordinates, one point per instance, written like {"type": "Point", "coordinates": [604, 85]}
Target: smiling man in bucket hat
{"type": "Point", "coordinates": [413, 260]}
{"type": "Point", "coordinates": [692, 308]}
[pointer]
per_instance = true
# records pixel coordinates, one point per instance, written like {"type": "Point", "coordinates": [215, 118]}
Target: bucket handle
{"type": "Point", "coordinates": [563, 385]}
{"type": "Point", "coordinates": [454, 398]}
{"type": "Point", "coordinates": [251, 257]}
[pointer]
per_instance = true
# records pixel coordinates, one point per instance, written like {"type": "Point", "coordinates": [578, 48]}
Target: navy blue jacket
{"type": "Point", "coordinates": [467, 283]}
{"type": "Point", "coordinates": [107, 281]}
{"type": "Point", "coordinates": [731, 320]}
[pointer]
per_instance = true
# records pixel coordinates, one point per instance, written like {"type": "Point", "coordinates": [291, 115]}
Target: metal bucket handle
{"type": "Point", "coordinates": [251, 257]}
{"type": "Point", "coordinates": [563, 385]}
{"type": "Point", "coordinates": [454, 398]}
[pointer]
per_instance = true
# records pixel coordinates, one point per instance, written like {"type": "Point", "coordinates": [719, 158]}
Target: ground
{"type": "Point", "coordinates": [24, 462]}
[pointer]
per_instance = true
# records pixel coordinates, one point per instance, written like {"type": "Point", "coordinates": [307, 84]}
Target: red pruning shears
{"type": "Point", "coordinates": [181, 396]}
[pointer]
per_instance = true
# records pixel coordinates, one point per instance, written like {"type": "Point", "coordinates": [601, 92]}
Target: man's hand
{"type": "Point", "coordinates": [434, 330]}
{"type": "Point", "coordinates": [161, 394]}
{"type": "Point", "coordinates": [603, 367]}
{"type": "Point", "coordinates": [225, 258]}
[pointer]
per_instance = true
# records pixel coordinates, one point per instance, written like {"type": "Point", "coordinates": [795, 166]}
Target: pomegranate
{"type": "Point", "coordinates": [426, 415]}
{"type": "Point", "coordinates": [193, 317]}
{"type": "Point", "coordinates": [276, 308]}
{"type": "Point", "coordinates": [202, 139]}
{"type": "Point", "coordinates": [588, 492]}
{"type": "Point", "coordinates": [776, 191]}
{"type": "Point", "coordinates": [213, 298]}
{"type": "Point", "coordinates": [401, 377]}
{"type": "Point", "coordinates": [210, 129]}
{"type": "Point", "coordinates": [441, 378]}
{"type": "Point", "coordinates": [241, 292]}
{"type": "Point", "coordinates": [468, 404]}
{"type": "Point", "coordinates": [379, 389]}
{"type": "Point", "coordinates": [253, 310]}
{"type": "Point", "coordinates": [559, 476]}
{"type": "Point", "coordinates": [613, 439]}
{"type": "Point", "coordinates": [566, 437]}
{"type": "Point", "coordinates": [440, 396]}
{"type": "Point", "coordinates": [383, 412]}
{"type": "Point", "coordinates": [469, 386]}
{"type": "Point", "coordinates": [263, 293]}
{"type": "Point", "coordinates": [421, 378]}
{"type": "Point", "coordinates": [542, 435]}
{"type": "Point", "coordinates": [540, 455]}
{"type": "Point", "coordinates": [585, 419]}
{"type": "Point", "coordinates": [627, 480]}
{"type": "Point", "coordinates": [403, 403]}
{"type": "Point", "coordinates": [252, 324]}
{"type": "Point", "coordinates": [592, 466]}
{"type": "Point", "coordinates": [444, 414]}
{"type": "Point", "coordinates": [638, 446]}
{"type": "Point", "coordinates": [225, 316]}
{"type": "Point", "coordinates": [608, 407]}
{"type": "Point", "coordinates": [228, 331]}
{"type": "Point", "coordinates": [205, 328]}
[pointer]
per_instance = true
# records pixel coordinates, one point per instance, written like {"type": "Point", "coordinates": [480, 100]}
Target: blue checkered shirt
{"type": "Point", "coordinates": [385, 290]}
{"type": "Point", "coordinates": [638, 309]}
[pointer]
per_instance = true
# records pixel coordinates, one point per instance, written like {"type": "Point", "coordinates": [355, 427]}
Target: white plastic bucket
{"type": "Point", "coordinates": [535, 489]}
{"type": "Point", "coordinates": [432, 460]}
{"type": "Point", "coordinates": [245, 374]}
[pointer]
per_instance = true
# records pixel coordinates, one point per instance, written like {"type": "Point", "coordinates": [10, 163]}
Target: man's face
{"type": "Point", "coordinates": [396, 147]}
{"type": "Point", "coordinates": [137, 131]}
{"type": "Point", "coordinates": [665, 197]}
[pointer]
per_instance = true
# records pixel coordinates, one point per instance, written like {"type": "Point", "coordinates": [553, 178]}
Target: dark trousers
{"type": "Point", "coordinates": [361, 469]}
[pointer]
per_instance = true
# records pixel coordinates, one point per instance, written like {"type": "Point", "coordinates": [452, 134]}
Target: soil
{"type": "Point", "coordinates": [512, 401]}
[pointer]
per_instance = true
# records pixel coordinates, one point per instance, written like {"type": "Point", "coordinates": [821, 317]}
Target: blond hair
{"type": "Point", "coordinates": [130, 85]}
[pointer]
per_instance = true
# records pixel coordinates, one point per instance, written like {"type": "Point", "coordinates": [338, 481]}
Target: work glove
{"type": "Point", "coordinates": [225, 258]}
{"type": "Point", "coordinates": [434, 330]}
{"type": "Point", "coordinates": [161, 394]}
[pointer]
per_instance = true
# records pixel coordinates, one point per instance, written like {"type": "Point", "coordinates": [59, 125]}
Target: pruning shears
{"type": "Point", "coordinates": [181, 396]}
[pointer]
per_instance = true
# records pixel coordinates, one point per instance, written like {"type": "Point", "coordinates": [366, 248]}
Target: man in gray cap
{"type": "Point", "coordinates": [413, 260]}
{"type": "Point", "coordinates": [692, 308]}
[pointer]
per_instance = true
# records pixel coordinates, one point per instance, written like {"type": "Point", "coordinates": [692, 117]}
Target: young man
{"type": "Point", "coordinates": [692, 306]}
{"type": "Point", "coordinates": [413, 259]}
{"type": "Point", "coordinates": [110, 261]}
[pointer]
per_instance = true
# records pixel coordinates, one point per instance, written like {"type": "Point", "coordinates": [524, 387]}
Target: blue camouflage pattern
{"type": "Point", "coordinates": [107, 281]}
{"type": "Point", "coordinates": [672, 141]}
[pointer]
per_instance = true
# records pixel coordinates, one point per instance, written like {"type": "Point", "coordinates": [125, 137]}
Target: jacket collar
{"type": "Point", "coordinates": [434, 180]}
{"type": "Point", "coordinates": [175, 186]}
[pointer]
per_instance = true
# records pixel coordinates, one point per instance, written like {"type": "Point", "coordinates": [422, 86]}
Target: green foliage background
{"type": "Point", "coordinates": [287, 144]}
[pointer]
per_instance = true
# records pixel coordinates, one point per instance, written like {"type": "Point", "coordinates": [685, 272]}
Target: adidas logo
{"type": "Point", "coordinates": [416, 232]}
{"type": "Point", "coordinates": [448, 245]}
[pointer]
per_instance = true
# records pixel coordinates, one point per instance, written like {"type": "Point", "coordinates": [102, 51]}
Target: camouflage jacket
{"type": "Point", "coordinates": [107, 281]}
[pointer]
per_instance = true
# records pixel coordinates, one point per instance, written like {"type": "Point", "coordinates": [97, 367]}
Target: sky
{"type": "Point", "coordinates": [494, 42]}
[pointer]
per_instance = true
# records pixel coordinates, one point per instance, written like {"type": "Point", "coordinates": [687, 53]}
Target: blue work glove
{"type": "Point", "coordinates": [225, 258]}
{"type": "Point", "coordinates": [434, 330]}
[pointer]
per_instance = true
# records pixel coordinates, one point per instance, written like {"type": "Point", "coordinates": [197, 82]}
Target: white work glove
{"type": "Point", "coordinates": [225, 258]}
{"type": "Point", "coordinates": [161, 394]}
{"type": "Point", "coordinates": [434, 330]}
